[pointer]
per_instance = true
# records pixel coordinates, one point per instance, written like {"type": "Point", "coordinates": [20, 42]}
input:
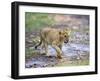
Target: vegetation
{"type": "Point", "coordinates": [37, 20]}
{"type": "Point", "coordinates": [74, 63]}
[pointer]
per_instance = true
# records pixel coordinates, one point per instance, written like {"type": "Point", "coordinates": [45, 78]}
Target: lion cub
{"type": "Point", "coordinates": [55, 38]}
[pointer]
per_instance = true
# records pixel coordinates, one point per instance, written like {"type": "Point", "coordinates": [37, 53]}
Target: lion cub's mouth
{"type": "Point", "coordinates": [66, 41]}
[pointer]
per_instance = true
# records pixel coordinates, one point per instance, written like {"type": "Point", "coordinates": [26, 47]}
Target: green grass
{"type": "Point", "coordinates": [37, 20]}
{"type": "Point", "coordinates": [29, 53]}
{"type": "Point", "coordinates": [74, 63]}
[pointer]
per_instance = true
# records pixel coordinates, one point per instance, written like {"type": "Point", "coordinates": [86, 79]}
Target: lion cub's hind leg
{"type": "Point", "coordinates": [46, 49]}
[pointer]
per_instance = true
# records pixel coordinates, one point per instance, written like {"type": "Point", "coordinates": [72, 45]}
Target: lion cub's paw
{"type": "Point", "coordinates": [59, 57]}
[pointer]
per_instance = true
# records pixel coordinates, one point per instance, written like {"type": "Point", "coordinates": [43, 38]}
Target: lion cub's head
{"type": "Point", "coordinates": [64, 35]}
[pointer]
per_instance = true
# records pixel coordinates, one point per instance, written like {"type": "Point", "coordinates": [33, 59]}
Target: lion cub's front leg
{"type": "Point", "coordinates": [58, 50]}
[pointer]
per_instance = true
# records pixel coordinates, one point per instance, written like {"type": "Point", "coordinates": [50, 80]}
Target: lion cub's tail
{"type": "Point", "coordinates": [38, 44]}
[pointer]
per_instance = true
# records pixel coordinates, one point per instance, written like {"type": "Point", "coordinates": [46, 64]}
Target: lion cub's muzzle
{"type": "Point", "coordinates": [66, 41]}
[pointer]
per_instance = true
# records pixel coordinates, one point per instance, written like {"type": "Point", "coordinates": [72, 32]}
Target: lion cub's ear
{"type": "Point", "coordinates": [69, 32]}
{"type": "Point", "coordinates": [60, 32]}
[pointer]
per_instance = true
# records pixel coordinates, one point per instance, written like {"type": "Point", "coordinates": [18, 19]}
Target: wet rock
{"type": "Point", "coordinates": [28, 66]}
{"type": "Point", "coordinates": [36, 65]}
{"type": "Point", "coordinates": [52, 65]}
{"type": "Point", "coordinates": [52, 60]}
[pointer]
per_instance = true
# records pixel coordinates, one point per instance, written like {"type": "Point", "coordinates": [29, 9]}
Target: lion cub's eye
{"type": "Point", "coordinates": [65, 36]}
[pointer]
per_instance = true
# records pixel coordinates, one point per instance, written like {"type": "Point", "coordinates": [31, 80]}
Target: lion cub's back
{"type": "Point", "coordinates": [50, 33]}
